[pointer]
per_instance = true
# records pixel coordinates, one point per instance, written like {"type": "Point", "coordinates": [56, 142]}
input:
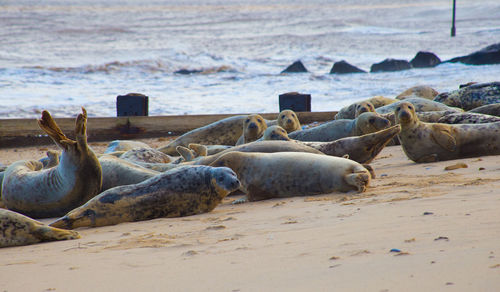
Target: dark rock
{"type": "Point", "coordinates": [425, 60]}
{"type": "Point", "coordinates": [343, 67]}
{"type": "Point", "coordinates": [296, 67]}
{"type": "Point", "coordinates": [390, 65]}
{"type": "Point", "coordinates": [187, 71]}
{"type": "Point", "coordinates": [467, 84]}
{"type": "Point", "coordinates": [488, 55]}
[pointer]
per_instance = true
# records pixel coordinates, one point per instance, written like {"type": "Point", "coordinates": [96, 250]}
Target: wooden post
{"type": "Point", "coordinates": [453, 30]}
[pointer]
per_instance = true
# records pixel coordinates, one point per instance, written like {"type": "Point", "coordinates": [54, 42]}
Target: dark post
{"type": "Point", "coordinates": [295, 101]}
{"type": "Point", "coordinates": [453, 30]}
{"type": "Point", "coordinates": [132, 104]}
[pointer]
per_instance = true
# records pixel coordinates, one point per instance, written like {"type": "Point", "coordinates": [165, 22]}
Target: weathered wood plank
{"type": "Point", "coordinates": [22, 132]}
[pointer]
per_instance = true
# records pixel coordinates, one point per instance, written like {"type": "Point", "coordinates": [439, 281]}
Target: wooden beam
{"type": "Point", "coordinates": [24, 132]}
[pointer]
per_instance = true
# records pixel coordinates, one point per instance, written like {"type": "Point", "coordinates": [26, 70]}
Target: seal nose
{"type": "Point", "coordinates": [289, 121]}
{"type": "Point", "coordinates": [252, 126]}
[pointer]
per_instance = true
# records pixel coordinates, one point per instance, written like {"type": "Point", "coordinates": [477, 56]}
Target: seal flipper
{"type": "Point", "coordinates": [442, 136]}
{"type": "Point", "coordinates": [49, 126]}
{"type": "Point", "coordinates": [358, 179]}
{"type": "Point", "coordinates": [427, 158]}
{"type": "Point", "coordinates": [186, 153]}
{"type": "Point", "coordinates": [200, 150]}
{"type": "Point", "coordinates": [47, 233]}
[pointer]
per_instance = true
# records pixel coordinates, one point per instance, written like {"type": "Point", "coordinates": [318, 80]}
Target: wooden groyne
{"type": "Point", "coordinates": [25, 132]}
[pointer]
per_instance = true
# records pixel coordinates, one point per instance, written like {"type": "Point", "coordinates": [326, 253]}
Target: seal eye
{"type": "Point", "coordinates": [247, 121]}
{"type": "Point", "coordinates": [372, 120]}
{"type": "Point", "coordinates": [398, 109]}
{"type": "Point", "coordinates": [260, 121]}
{"type": "Point", "coordinates": [410, 107]}
{"type": "Point", "coordinates": [282, 117]}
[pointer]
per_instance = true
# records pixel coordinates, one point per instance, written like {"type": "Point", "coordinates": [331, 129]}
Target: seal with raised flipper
{"type": "Point", "coordinates": [42, 193]}
{"type": "Point", "coordinates": [287, 174]}
{"type": "Point", "coordinates": [223, 132]}
{"type": "Point", "coordinates": [17, 229]}
{"type": "Point", "coordinates": [430, 142]}
{"type": "Point", "coordinates": [364, 124]}
{"type": "Point", "coordinates": [253, 128]}
{"type": "Point", "coordinates": [184, 191]}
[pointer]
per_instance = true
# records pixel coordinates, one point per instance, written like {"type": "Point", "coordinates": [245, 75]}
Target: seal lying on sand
{"type": "Point", "coordinates": [429, 142]}
{"type": "Point", "coordinates": [119, 172]}
{"type": "Point", "coordinates": [253, 128]}
{"type": "Point", "coordinates": [421, 91]}
{"type": "Point", "coordinates": [472, 96]}
{"type": "Point", "coordinates": [489, 109]}
{"type": "Point", "coordinates": [348, 112]}
{"type": "Point", "coordinates": [362, 149]}
{"type": "Point", "coordinates": [148, 155]}
{"type": "Point", "coordinates": [285, 174]}
{"type": "Point", "coordinates": [364, 124]}
{"type": "Point", "coordinates": [420, 104]}
{"type": "Point", "coordinates": [124, 145]}
{"type": "Point", "coordinates": [52, 192]}
{"type": "Point", "coordinates": [223, 132]}
{"type": "Point", "coordinates": [468, 118]}
{"type": "Point", "coordinates": [184, 191]}
{"type": "Point", "coordinates": [17, 229]}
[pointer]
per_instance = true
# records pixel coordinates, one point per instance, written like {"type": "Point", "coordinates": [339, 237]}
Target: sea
{"type": "Point", "coordinates": [60, 55]}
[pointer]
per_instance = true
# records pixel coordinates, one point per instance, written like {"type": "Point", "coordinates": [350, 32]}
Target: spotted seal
{"type": "Point", "coordinates": [420, 104]}
{"type": "Point", "coordinates": [364, 124]}
{"type": "Point", "coordinates": [278, 175]}
{"type": "Point", "coordinates": [348, 112]}
{"type": "Point", "coordinates": [421, 91]}
{"type": "Point", "coordinates": [253, 128]}
{"type": "Point", "coordinates": [148, 155]}
{"type": "Point", "coordinates": [124, 145]}
{"type": "Point", "coordinates": [471, 96]}
{"type": "Point", "coordinates": [17, 229]}
{"type": "Point", "coordinates": [119, 172]}
{"type": "Point", "coordinates": [429, 142]}
{"type": "Point", "coordinates": [488, 109]}
{"type": "Point", "coordinates": [223, 132]}
{"type": "Point", "coordinates": [183, 191]}
{"type": "Point", "coordinates": [468, 118]}
{"type": "Point", "coordinates": [41, 193]}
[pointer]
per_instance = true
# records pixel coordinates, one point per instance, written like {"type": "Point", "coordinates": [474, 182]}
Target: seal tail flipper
{"type": "Point", "coordinates": [359, 180]}
{"type": "Point", "coordinates": [200, 150]}
{"type": "Point", "coordinates": [48, 233]}
{"type": "Point", "coordinates": [186, 153]}
{"type": "Point", "coordinates": [49, 126]}
{"type": "Point", "coordinates": [81, 128]}
{"type": "Point", "coordinates": [63, 222]}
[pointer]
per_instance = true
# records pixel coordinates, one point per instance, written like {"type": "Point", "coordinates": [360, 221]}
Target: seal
{"type": "Point", "coordinates": [364, 124]}
{"type": "Point", "coordinates": [52, 192]}
{"type": "Point", "coordinates": [253, 128]}
{"type": "Point", "coordinates": [364, 107]}
{"type": "Point", "coordinates": [124, 145]}
{"type": "Point", "coordinates": [148, 155]}
{"type": "Point", "coordinates": [472, 96]}
{"type": "Point", "coordinates": [362, 149]}
{"type": "Point", "coordinates": [17, 229]}
{"type": "Point", "coordinates": [430, 142]}
{"type": "Point", "coordinates": [279, 175]}
{"type": "Point", "coordinates": [184, 191]}
{"type": "Point", "coordinates": [488, 109]}
{"type": "Point", "coordinates": [288, 120]}
{"type": "Point", "coordinates": [349, 111]}
{"type": "Point", "coordinates": [119, 172]}
{"type": "Point", "coordinates": [421, 91]}
{"type": "Point", "coordinates": [274, 133]}
{"type": "Point", "coordinates": [420, 104]}
{"type": "Point", "coordinates": [468, 118]}
{"type": "Point", "coordinates": [223, 132]}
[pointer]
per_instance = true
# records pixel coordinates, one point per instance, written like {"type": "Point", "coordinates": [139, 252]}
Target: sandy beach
{"type": "Point", "coordinates": [443, 227]}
